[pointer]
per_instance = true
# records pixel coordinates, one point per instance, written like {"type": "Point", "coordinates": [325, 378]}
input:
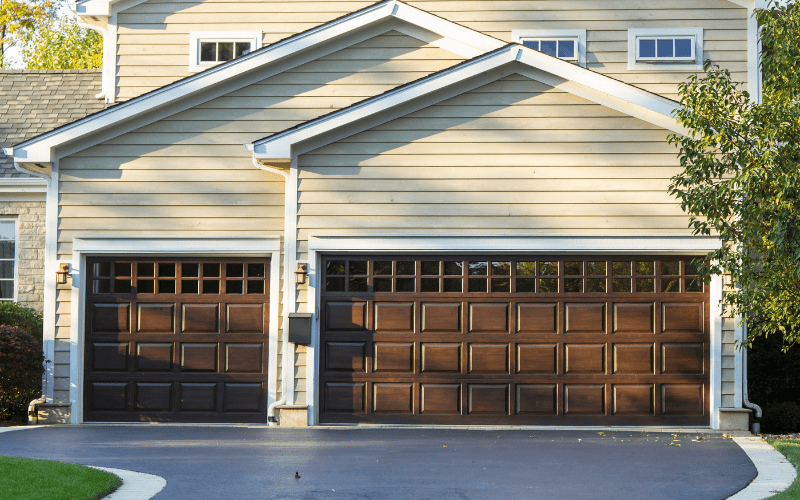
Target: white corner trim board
{"type": "Point", "coordinates": [42, 149]}
{"type": "Point", "coordinates": [664, 244]}
{"type": "Point", "coordinates": [220, 246]}
{"type": "Point", "coordinates": [580, 81]}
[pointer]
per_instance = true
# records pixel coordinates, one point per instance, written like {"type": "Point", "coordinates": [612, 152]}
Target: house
{"type": "Point", "coordinates": [31, 103]}
{"type": "Point", "coordinates": [402, 212]}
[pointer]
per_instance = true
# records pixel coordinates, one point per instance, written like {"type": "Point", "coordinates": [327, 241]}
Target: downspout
{"type": "Point", "coordinates": [755, 426]}
{"type": "Point", "coordinates": [272, 421]}
{"type": "Point", "coordinates": [103, 32]}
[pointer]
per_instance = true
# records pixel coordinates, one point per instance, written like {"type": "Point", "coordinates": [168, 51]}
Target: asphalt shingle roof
{"type": "Point", "coordinates": [35, 102]}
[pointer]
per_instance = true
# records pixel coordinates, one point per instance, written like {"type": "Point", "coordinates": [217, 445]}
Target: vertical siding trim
{"type": "Point", "coordinates": [737, 363]}
{"type": "Point", "coordinates": [753, 57]}
{"type": "Point", "coordinates": [290, 255]}
{"type": "Point", "coordinates": [50, 258]}
{"type": "Point", "coordinates": [715, 391]}
{"type": "Point", "coordinates": [109, 84]}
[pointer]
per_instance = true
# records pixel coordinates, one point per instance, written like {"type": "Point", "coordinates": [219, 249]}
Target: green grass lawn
{"type": "Point", "coordinates": [790, 448]}
{"type": "Point", "coordinates": [45, 480]}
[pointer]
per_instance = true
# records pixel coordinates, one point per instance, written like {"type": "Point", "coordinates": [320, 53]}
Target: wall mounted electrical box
{"type": "Point", "coordinates": [300, 328]}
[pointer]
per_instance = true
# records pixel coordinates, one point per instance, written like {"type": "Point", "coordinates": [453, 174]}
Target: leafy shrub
{"type": "Point", "coordinates": [781, 418]}
{"type": "Point", "coordinates": [13, 314]}
{"type": "Point", "coordinates": [21, 370]}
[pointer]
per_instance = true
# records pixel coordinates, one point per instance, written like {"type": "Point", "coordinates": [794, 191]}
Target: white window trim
{"type": "Point", "coordinates": [664, 244]}
{"type": "Point", "coordinates": [254, 37]}
{"type": "Point", "coordinates": [668, 65]}
{"type": "Point", "coordinates": [15, 221]}
{"type": "Point", "coordinates": [519, 36]}
{"type": "Point", "coordinates": [220, 246]}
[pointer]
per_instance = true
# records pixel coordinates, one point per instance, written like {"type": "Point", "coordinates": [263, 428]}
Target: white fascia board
{"type": "Point", "coordinates": [42, 149]}
{"type": "Point", "coordinates": [280, 145]}
{"type": "Point", "coordinates": [665, 243]}
{"type": "Point", "coordinates": [23, 185]}
{"type": "Point", "coordinates": [642, 104]}
{"type": "Point", "coordinates": [101, 8]}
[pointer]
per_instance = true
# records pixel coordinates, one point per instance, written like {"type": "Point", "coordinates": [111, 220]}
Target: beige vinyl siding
{"type": "Point", "coordinates": [153, 37]}
{"type": "Point", "coordinates": [514, 156]}
{"type": "Point", "coordinates": [190, 174]}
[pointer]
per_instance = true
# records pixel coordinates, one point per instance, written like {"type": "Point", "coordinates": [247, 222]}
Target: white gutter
{"type": "Point", "coordinates": [756, 428]}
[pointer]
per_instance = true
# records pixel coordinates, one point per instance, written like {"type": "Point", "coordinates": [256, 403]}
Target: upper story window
{"type": "Point", "coordinates": [569, 45]}
{"type": "Point", "coordinates": [665, 49]}
{"type": "Point", "coordinates": [209, 48]}
{"type": "Point", "coordinates": [8, 259]}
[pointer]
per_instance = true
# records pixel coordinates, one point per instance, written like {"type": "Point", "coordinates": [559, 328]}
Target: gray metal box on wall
{"type": "Point", "coordinates": [300, 328]}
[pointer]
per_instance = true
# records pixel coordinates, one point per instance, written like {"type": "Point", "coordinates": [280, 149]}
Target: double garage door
{"type": "Point", "coordinates": [551, 340]}
{"type": "Point", "coordinates": [176, 340]}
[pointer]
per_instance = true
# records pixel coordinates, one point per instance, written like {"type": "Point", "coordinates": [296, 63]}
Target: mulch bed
{"type": "Point", "coordinates": [781, 436]}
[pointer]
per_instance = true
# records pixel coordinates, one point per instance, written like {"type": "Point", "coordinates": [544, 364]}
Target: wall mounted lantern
{"type": "Point", "coordinates": [62, 274]}
{"type": "Point", "coordinates": [300, 274]}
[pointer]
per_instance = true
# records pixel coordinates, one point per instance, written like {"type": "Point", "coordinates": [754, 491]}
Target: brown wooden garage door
{"type": "Point", "coordinates": [553, 340]}
{"type": "Point", "coordinates": [172, 340]}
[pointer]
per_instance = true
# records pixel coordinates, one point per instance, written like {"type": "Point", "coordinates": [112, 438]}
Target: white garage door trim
{"type": "Point", "coordinates": [664, 244]}
{"type": "Point", "coordinates": [221, 246]}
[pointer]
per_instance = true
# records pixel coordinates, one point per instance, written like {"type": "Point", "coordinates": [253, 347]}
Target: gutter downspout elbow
{"type": "Point", "coordinates": [756, 426]}
{"type": "Point", "coordinates": [33, 415]}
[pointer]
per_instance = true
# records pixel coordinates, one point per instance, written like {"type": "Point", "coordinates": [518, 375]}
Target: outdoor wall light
{"type": "Point", "coordinates": [62, 273]}
{"type": "Point", "coordinates": [300, 274]}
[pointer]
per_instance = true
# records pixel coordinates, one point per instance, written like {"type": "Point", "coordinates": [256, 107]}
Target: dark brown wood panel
{"type": "Point", "coordinates": [176, 340]}
{"type": "Point", "coordinates": [579, 340]}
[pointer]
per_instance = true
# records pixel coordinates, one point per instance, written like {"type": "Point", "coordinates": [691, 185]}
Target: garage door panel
{"type": "Point", "coordinates": [111, 318]}
{"type": "Point", "coordinates": [441, 318]}
{"type": "Point", "coordinates": [584, 359]}
{"type": "Point", "coordinates": [153, 346]}
{"type": "Point", "coordinates": [634, 358]}
{"type": "Point", "coordinates": [109, 356]}
{"type": "Point", "coordinates": [199, 357]}
{"type": "Point", "coordinates": [584, 399]}
{"type": "Point", "coordinates": [537, 318]}
{"type": "Point", "coordinates": [154, 357]}
{"type": "Point", "coordinates": [682, 358]}
{"type": "Point", "coordinates": [541, 340]}
{"type": "Point", "coordinates": [537, 358]}
{"type": "Point", "coordinates": [488, 399]}
{"type": "Point", "coordinates": [441, 358]}
{"type": "Point", "coordinates": [488, 318]}
{"type": "Point", "coordinates": [155, 318]}
{"type": "Point", "coordinates": [585, 318]}
{"type": "Point", "coordinates": [440, 399]}
{"type": "Point", "coordinates": [200, 318]}
{"type": "Point", "coordinates": [198, 397]}
{"type": "Point", "coordinates": [393, 398]}
{"type": "Point", "coordinates": [153, 396]}
{"type": "Point", "coordinates": [394, 317]}
{"type": "Point", "coordinates": [633, 399]}
{"type": "Point", "coordinates": [634, 318]}
{"type": "Point", "coordinates": [393, 357]}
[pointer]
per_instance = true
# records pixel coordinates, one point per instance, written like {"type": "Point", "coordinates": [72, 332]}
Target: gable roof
{"type": "Point", "coordinates": [281, 56]}
{"type": "Point", "coordinates": [512, 58]}
{"type": "Point", "coordinates": [33, 102]}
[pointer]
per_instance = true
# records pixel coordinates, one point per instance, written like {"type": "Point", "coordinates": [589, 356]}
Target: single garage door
{"type": "Point", "coordinates": [553, 340]}
{"type": "Point", "coordinates": [171, 340]}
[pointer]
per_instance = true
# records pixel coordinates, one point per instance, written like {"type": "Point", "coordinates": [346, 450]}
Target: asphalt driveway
{"type": "Point", "coordinates": [212, 462]}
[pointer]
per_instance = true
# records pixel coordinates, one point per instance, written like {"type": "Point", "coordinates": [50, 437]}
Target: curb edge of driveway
{"type": "Point", "coordinates": [135, 485]}
{"type": "Point", "coordinates": [775, 472]}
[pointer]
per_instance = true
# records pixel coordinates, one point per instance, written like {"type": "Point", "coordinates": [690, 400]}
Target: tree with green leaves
{"type": "Point", "coordinates": [60, 43]}
{"type": "Point", "coordinates": [18, 18]}
{"type": "Point", "coordinates": [741, 177]}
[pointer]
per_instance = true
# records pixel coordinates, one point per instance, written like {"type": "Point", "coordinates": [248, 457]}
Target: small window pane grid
{"type": "Point", "coordinates": [563, 48]}
{"type": "Point", "coordinates": [214, 51]}
{"type": "Point", "coordinates": [178, 277]}
{"type": "Point", "coordinates": [665, 48]}
{"type": "Point", "coordinates": [534, 275]}
{"type": "Point", "coordinates": [7, 259]}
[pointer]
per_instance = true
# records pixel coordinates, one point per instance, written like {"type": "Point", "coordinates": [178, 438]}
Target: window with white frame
{"type": "Point", "coordinates": [569, 45]}
{"type": "Point", "coordinates": [665, 49]}
{"type": "Point", "coordinates": [209, 48]}
{"type": "Point", "coordinates": [8, 259]}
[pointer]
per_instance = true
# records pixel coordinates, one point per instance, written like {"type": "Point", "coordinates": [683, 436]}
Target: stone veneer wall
{"type": "Point", "coordinates": [30, 271]}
